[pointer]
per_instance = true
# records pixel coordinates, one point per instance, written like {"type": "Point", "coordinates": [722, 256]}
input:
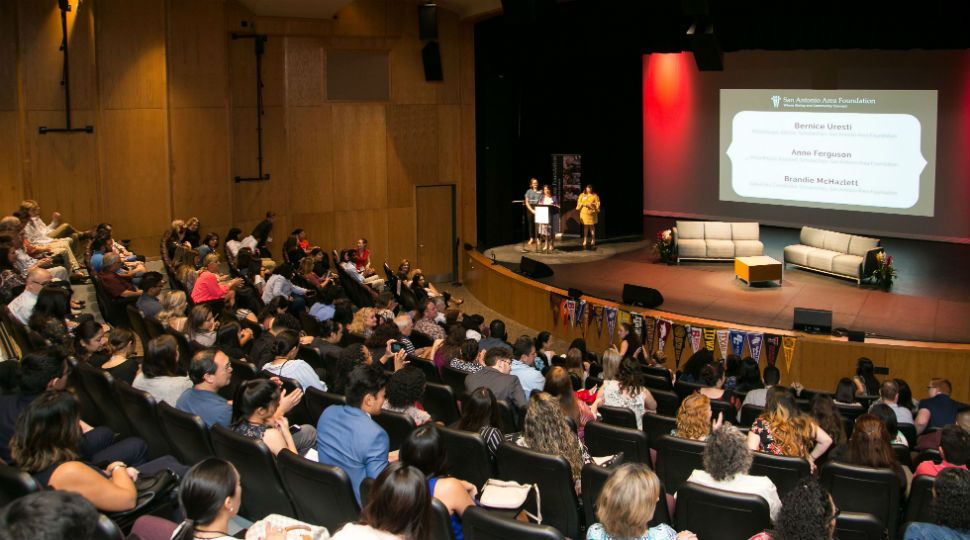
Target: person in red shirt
{"type": "Point", "coordinates": [210, 285]}
{"type": "Point", "coordinates": [954, 449]}
{"type": "Point", "coordinates": [115, 286]}
{"type": "Point", "coordinates": [362, 258]}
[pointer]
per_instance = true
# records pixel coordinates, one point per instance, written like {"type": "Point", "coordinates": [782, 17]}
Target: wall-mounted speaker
{"type": "Point", "coordinates": [813, 321]}
{"type": "Point", "coordinates": [431, 56]}
{"type": "Point", "coordinates": [534, 269]}
{"type": "Point", "coordinates": [636, 295]}
{"type": "Point", "coordinates": [428, 21]}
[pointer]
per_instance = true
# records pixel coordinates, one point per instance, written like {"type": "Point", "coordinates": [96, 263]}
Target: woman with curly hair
{"type": "Point", "coordinates": [364, 323]}
{"type": "Point", "coordinates": [727, 460]}
{"type": "Point", "coordinates": [807, 513]}
{"type": "Point", "coordinates": [870, 446]}
{"type": "Point", "coordinates": [828, 417]}
{"type": "Point", "coordinates": [627, 391]}
{"type": "Point", "coordinates": [951, 498]}
{"type": "Point", "coordinates": [694, 418]}
{"type": "Point", "coordinates": [558, 385]}
{"type": "Point", "coordinates": [545, 430]}
{"type": "Point", "coordinates": [783, 430]}
{"type": "Point", "coordinates": [626, 504]}
{"type": "Point", "coordinates": [404, 392]}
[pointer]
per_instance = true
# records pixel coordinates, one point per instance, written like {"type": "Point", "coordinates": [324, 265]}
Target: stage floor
{"type": "Point", "coordinates": [930, 300]}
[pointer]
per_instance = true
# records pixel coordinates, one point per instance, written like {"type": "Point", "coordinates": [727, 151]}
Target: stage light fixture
{"type": "Point", "coordinates": [704, 44]}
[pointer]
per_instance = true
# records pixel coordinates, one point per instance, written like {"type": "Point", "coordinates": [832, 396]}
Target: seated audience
{"type": "Point", "coordinates": [209, 245]}
{"type": "Point", "coordinates": [280, 284]}
{"type": "Point", "coordinates": [399, 506]}
{"type": "Point", "coordinates": [523, 366]}
{"type": "Point", "coordinates": [261, 351]}
{"type": "Point", "coordinates": [480, 414]}
{"type": "Point", "coordinates": [191, 235]}
{"type": "Point", "coordinates": [495, 376]}
{"type": "Point", "coordinates": [328, 338]}
{"type": "Point", "coordinates": [348, 266]}
{"type": "Point", "coordinates": [783, 430]}
{"type": "Point", "coordinates": [905, 396]}
{"type": "Point", "coordinates": [350, 357]}
{"type": "Point", "coordinates": [629, 341]}
{"type": "Point", "coordinates": [937, 410]}
{"type": "Point", "coordinates": [380, 336]}
{"type": "Point", "coordinates": [865, 381]}
{"type": "Point", "coordinates": [172, 315]}
{"type": "Point", "coordinates": [24, 262]}
{"type": "Point", "coordinates": [749, 377]}
{"type": "Point", "coordinates": [23, 305]}
{"type": "Point", "coordinates": [286, 346]}
{"type": "Point", "coordinates": [758, 396]}
{"type": "Point", "coordinates": [11, 282]}
{"type": "Point", "coordinates": [931, 439]}
{"type": "Point", "coordinates": [405, 325]}
{"type": "Point", "coordinates": [626, 390]}
{"type": "Point", "coordinates": [256, 414]}
{"type": "Point", "coordinates": [116, 286]}
{"type": "Point", "coordinates": [323, 309]}
{"type": "Point", "coordinates": [694, 418]}
{"type": "Point", "coordinates": [951, 498]}
{"type": "Point", "coordinates": [828, 417]}
{"type": "Point", "coordinates": [727, 460]}
{"type": "Point", "coordinates": [147, 303]}
{"type": "Point", "coordinates": [202, 326]}
{"type": "Point", "coordinates": [364, 323]}
{"type": "Point", "coordinates": [869, 446]}
{"type": "Point", "coordinates": [234, 340]}
{"type": "Point", "coordinates": [232, 241]}
{"type": "Point", "coordinates": [121, 364]}
{"type": "Point", "coordinates": [807, 513]}
{"type": "Point", "coordinates": [954, 449]}
{"type": "Point", "coordinates": [543, 353]}
{"type": "Point", "coordinates": [425, 321]}
{"type": "Point", "coordinates": [845, 393]}
{"type": "Point", "coordinates": [210, 286]}
{"type": "Point", "coordinates": [404, 392]}
{"type": "Point", "coordinates": [210, 495]}
{"type": "Point", "coordinates": [424, 450]}
{"type": "Point", "coordinates": [450, 348]}
{"type": "Point", "coordinates": [49, 515]}
{"type": "Point", "coordinates": [496, 337]}
{"type": "Point", "coordinates": [884, 413]}
{"type": "Point", "coordinates": [575, 365]}
{"type": "Point", "coordinates": [626, 505]}
{"type": "Point", "coordinates": [694, 365]}
{"type": "Point", "coordinates": [469, 359]}
{"type": "Point", "coordinates": [90, 340]}
{"type": "Point", "coordinates": [889, 396]}
{"type": "Point", "coordinates": [713, 377]}
{"type": "Point", "coordinates": [545, 430]}
{"type": "Point", "coordinates": [348, 437]}
{"type": "Point", "coordinates": [559, 385]}
{"type": "Point", "coordinates": [159, 371]}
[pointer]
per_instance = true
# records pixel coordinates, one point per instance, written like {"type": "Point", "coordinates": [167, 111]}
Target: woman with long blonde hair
{"type": "Point", "coordinates": [173, 310]}
{"type": "Point", "coordinates": [611, 363]}
{"type": "Point", "coordinates": [783, 430]}
{"type": "Point", "coordinates": [626, 504]}
{"type": "Point", "coordinates": [545, 430]}
{"type": "Point", "coordinates": [365, 320]}
{"type": "Point", "coordinates": [694, 418]}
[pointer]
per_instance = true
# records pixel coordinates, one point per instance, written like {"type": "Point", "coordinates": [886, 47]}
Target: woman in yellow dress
{"type": "Point", "coordinates": [589, 211]}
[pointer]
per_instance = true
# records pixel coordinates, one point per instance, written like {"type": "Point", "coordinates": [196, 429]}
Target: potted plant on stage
{"type": "Point", "coordinates": [885, 272]}
{"type": "Point", "coordinates": [664, 246]}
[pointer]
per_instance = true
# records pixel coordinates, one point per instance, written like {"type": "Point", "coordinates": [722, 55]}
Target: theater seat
{"type": "Point", "coordinates": [784, 471]}
{"type": "Point", "coordinates": [618, 416]}
{"type": "Point", "coordinates": [468, 457]}
{"type": "Point", "coordinates": [603, 439]}
{"type": "Point", "coordinates": [560, 507]}
{"type": "Point", "coordinates": [187, 435]}
{"type": "Point", "coordinates": [15, 484]}
{"type": "Point", "coordinates": [99, 386]}
{"type": "Point", "coordinates": [858, 526]}
{"type": "Point", "coordinates": [864, 489]}
{"type": "Point", "coordinates": [594, 478]}
{"type": "Point", "coordinates": [657, 426]}
{"type": "Point", "coordinates": [676, 459]}
{"type": "Point", "coordinates": [919, 507]}
{"type": "Point", "coordinates": [397, 425]}
{"type": "Point", "coordinates": [322, 494]}
{"type": "Point", "coordinates": [262, 489]}
{"type": "Point", "coordinates": [141, 409]}
{"type": "Point", "coordinates": [667, 402]}
{"type": "Point", "coordinates": [724, 515]}
{"type": "Point", "coordinates": [480, 524]}
{"type": "Point", "coordinates": [439, 401]}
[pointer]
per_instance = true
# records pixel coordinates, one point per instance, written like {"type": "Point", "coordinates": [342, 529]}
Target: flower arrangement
{"type": "Point", "coordinates": [664, 246]}
{"type": "Point", "coordinates": [885, 272]}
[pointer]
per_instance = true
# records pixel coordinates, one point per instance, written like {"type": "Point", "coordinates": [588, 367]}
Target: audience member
{"type": "Point", "coordinates": [626, 504]}
{"type": "Point", "coordinates": [558, 385]}
{"type": "Point", "coordinates": [575, 366]}
{"type": "Point", "coordinates": [202, 325]}
{"type": "Point", "coordinates": [783, 430]}
{"type": "Point", "coordinates": [261, 352]}
{"type": "Point", "coordinates": [889, 396]}
{"type": "Point", "coordinates": [350, 357]}
{"type": "Point", "coordinates": [495, 376]}
{"type": "Point", "coordinates": [347, 265]}
{"type": "Point", "coordinates": [281, 284]}
{"type": "Point", "coordinates": [523, 366]}
{"type": "Point", "coordinates": [121, 364]}
{"type": "Point", "coordinates": [884, 413]}
{"type": "Point", "coordinates": [286, 346]}
{"type": "Point", "coordinates": [49, 515]}
{"type": "Point", "coordinates": [209, 371]}
{"type": "Point", "coordinates": [626, 390]}
{"type": "Point", "coordinates": [116, 286]}
{"type": "Point", "coordinates": [749, 377]}
{"type": "Point", "coordinates": [232, 241]}
{"type": "Point", "coordinates": [210, 286]}
{"type": "Point", "coordinates": [256, 414]}
{"type": "Point", "coordinates": [210, 495]}
{"type": "Point", "coordinates": [727, 460]}
{"type": "Point", "coordinates": [827, 416]}
{"type": "Point", "coordinates": [629, 341]}
{"type": "Point", "coordinates": [905, 396]}
{"type": "Point", "coordinates": [399, 506]}
{"type": "Point", "coordinates": [496, 337]}
{"type": "Point", "coordinates": [937, 410]}
{"type": "Point", "coordinates": [869, 446]}
{"type": "Point", "coordinates": [234, 340]}
{"type": "Point", "coordinates": [545, 430]}
{"type": "Point", "coordinates": [173, 310]}
{"type": "Point", "coordinates": [23, 305]}
{"type": "Point", "coordinates": [807, 513]}
{"type": "Point", "coordinates": [147, 303]}
{"type": "Point", "coordinates": [364, 323]}
{"type": "Point", "coordinates": [866, 383]}
{"type": "Point", "coordinates": [425, 321]}
{"type": "Point", "coordinates": [451, 348]}
{"type": "Point", "coordinates": [951, 498]}
{"type": "Point", "coordinates": [328, 338]}
{"type": "Point", "coordinates": [159, 371]}
{"type": "Point", "coordinates": [323, 309]}
{"type": "Point", "coordinates": [758, 396]}
{"type": "Point", "coordinates": [694, 365]}
{"type": "Point", "coordinates": [712, 377]}
{"type": "Point", "coordinates": [954, 449]}
{"type": "Point", "coordinates": [348, 437]}
{"type": "Point", "coordinates": [845, 393]}
{"type": "Point", "coordinates": [90, 340]}
{"type": "Point", "coordinates": [209, 245]}
{"type": "Point", "coordinates": [469, 359]}
{"type": "Point", "coordinates": [480, 414]}
{"type": "Point", "coordinates": [694, 418]}
{"type": "Point", "coordinates": [404, 326]}
{"type": "Point", "coordinates": [405, 389]}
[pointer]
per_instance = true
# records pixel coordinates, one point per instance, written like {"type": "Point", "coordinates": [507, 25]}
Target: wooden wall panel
{"type": "Point", "coordinates": [242, 73]}
{"type": "Point", "coordinates": [201, 185]}
{"type": "Point", "coordinates": [412, 151]}
{"type": "Point", "coordinates": [449, 90]}
{"type": "Point", "coordinates": [407, 74]}
{"type": "Point", "coordinates": [468, 204]}
{"type": "Point", "coordinates": [253, 199]}
{"type": "Point", "coordinates": [8, 56]}
{"type": "Point", "coordinates": [359, 156]}
{"type": "Point", "coordinates": [370, 224]}
{"type": "Point", "coordinates": [197, 53]}
{"type": "Point", "coordinates": [39, 29]}
{"type": "Point", "coordinates": [319, 229]}
{"type": "Point", "coordinates": [362, 18]}
{"type": "Point", "coordinates": [311, 159]}
{"type": "Point", "coordinates": [135, 186]}
{"type": "Point", "coordinates": [11, 181]}
{"type": "Point", "coordinates": [401, 237]}
{"type": "Point", "coordinates": [466, 47]}
{"type": "Point", "coordinates": [449, 144]}
{"type": "Point", "coordinates": [273, 80]}
{"type": "Point", "coordinates": [131, 53]}
{"type": "Point", "coordinates": [62, 170]}
{"type": "Point", "coordinates": [306, 65]}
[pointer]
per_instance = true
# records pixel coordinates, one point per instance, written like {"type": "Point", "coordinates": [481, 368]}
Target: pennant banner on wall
{"type": "Point", "coordinates": [772, 345]}
{"type": "Point", "coordinates": [571, 312]}
{"type": "Point", "coordinates": [623, 317]}
{"type": "Point", "coordinates": [709, 339]}
{"type": "Point", "coordinates": [788, 348]}
{"type": "Point", "coordinates": [680, 337]}
{"type": "Point", "coordinates": [563, 314]}
{"type": "Point", "coordinates": [722, 342]}
{"type": "Point", "coordinates": [736, 337]}
{"type": "Point", "coordinates": [663, 332]}
{"type": "Point", "coordinates": [582, 315]}
{"type": "Point", "coordinates": [649, 323]}
{"type": "Point", "coordinates": [755, 341]}
{"type": "Point", "coordinates": [696, 334]}
{"type": "Point", "coordinates": [637, 321]}
{"type": "Point", "coordinates": [597, 314]}
{"type": "Point", "coordinates": [610, 313]}
{"type": "Point", "coordinates": [554, 302]}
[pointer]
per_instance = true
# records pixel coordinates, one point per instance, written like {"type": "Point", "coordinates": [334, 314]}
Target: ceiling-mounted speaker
{"type": "Point", "coordinates": [431, 57]}
{"type": "Point", "coordinates": [428, 21]}
{"type": "Point", "coordinates": [706, 47]}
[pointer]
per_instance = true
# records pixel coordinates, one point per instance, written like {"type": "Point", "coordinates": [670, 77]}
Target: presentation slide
{"type": "Point", "coordinates": [862, 150]}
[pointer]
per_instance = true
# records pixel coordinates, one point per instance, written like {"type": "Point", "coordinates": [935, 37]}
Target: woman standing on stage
{"type": "Point", "coordinates": [545, 229]}
{"type": "Point", "coordinates": [532, 197]}
{"type": "Point", "coordinates": [589, 211]}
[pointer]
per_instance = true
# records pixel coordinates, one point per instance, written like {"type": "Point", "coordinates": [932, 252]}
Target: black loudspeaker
{"type": "Point", "coordinates": [856, 335]}
{"type": "Point", "coordinates": [636, 295]}
{"type": "Point", "coordinates": [534, 269]}
{"type": "Point", "coordinates": [431, 56]}
{"type": "Point", "coordinates": [428, 21]}
{"type": "Point", "coordinates": [706, 47]}
{"type": "Point", "coordinates": [813, 321]}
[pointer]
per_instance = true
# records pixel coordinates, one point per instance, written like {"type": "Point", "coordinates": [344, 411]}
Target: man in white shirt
{"type": "Point", "coordinates": [523, 366]}
{"type": "Point", "coordinates": [23, 306]}
{"type": "Point", "coordinates": [758, 396]}
{"type": "Point", "coordinates": [889, 395]}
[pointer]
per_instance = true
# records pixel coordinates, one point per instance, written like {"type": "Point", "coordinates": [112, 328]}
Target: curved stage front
{"type": "Point", "coordinates": [708, 295]}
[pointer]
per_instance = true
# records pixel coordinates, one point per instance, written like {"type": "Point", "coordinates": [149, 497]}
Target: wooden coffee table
{"type": "Point", "coordinates": [761, 268]}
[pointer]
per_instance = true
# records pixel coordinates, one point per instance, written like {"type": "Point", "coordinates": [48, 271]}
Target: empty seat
{"type": "Point", "coordinates": [655, 382]}
{"type": "Point", "coordinates": [723, 407]}
{"type": "Point", "coordinates": [99, 386]}
{"type": "Point", "coordinates": [322, 494]}
{"type": "Point", "coordinates": [317, 401]}
{"type": "Point", "coordinates": [618, 416]}
{"type": "Point", "coordinates": [439, 401]}
{"type": "Point", "coordinates": [594, 478]}
{"type": "Point", "coordinates": [560, 507]}
{"type": "Point", "coordinates": [140, 408]}
{"type": "Point", "coordinates": [455, 378]}
{"type": "Point", "coordinates": [684, 389]}
{"type": "Point", "coordinates": [750, 413]}
{"type": "Point", "coordinates": [468, 457]}
{"type": "Point", "coordinates": [397, 425]}
{"type": "Point", "coordinates": [858, 526]}
{"type": "Point", "coordinates": [667, 402]}
{"type": "Point", "coordinates": [604, 439]}
{"type": "Point", "coordinates": [919, 506]}
{"type": "Point", "coordinates": [676, 459]}
{"type": "Point", "coordinates": [784, 471]}
{"type": "Point", "coordinates": [715, 513]}
{"type": "Point", "coordinates": [480, 524]}
{"type": "Point", "coordinates": [187, 435]}
{"type": "Point", "coordinates": [15, 484]}
{"type": "Point", "coordinates": [262, 489]}
{"type": "Point", "coordinates": [864, 489]}
{"type": "Point", "coordinates": [657, 426]}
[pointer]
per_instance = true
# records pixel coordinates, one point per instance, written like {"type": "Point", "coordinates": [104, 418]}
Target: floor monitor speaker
{"type": "Point", "coordinates": [636, 295]}
{"type": "Point", "coordinates": [813, 321]}
{"type": "Point", "coordinates": [534, 269]}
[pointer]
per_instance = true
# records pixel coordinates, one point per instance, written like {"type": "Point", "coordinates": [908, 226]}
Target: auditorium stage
{"type": "Point", "coordinates": [930, 300]}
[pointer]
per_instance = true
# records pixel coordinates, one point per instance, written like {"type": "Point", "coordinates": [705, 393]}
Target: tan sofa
{"type": "Point", "coordinates": [834, 253]}
{"type": "Point", "coordinates": [716, 240]}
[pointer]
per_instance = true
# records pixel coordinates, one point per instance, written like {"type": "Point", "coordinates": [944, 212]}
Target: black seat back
{"type": "Point", "coordinates": [89, 409]}
{"type": "Point", "coordinates": [594, 478]}
{"type": "Point", "coordinates": [618, 416]}
{"type": "Point", "coordinates": [107, 529]}
{"type": "Point", "coordinates": [455, 378]}
{"type": "Point", "coordinates": [604, 439]}
{"type": "Point", "coordinates": [858, 526]}
{"type": "Point", "coordinates": [684, 389]}
{"type": "Point", "coordinates": [657, 426]}
{"type": "Point", "coordinates": [715, 513]}
{"type": "Point", "coordinates": [908, 431]}
{"type": "Point", "coordinates": [428, 367]}
{"type": "Point", "coordinates": [18, 330]}
{"type": "Point", "coordinates": [560, 508]}
{"type": "Point", "coordinates": [15, 484]}
{"type": "Point", "coordinates": [322, 494]}
{"type": "Point", "coordinates": [723, 407]}
{"type": "Point", "coordinates": [440, 403]}
{"type": "Point", "coordinates": [397, 425]}
{"type": "Point", "coordinates": [420, 339]}
{"type": "Point", "coordinates": [919, 506]}
{"type": "Point", "coordinates": [185, 349]}
{"type": "Point", "coordinates": [676, 459]}
{"type": "Point", "coordinates": [99, 386]}
{"type": "Point", "coordinates": [655, 382]}
{"type": "Point", "coordinates": [864, 489]}
{"type": "Point", "coordinates": [242, 371]}
{"type": "Point", "coordinates": [309, 325]}
{"type": "Point", "coordinates": [468, 457]}
{"type": "Point", "coordinates": [187, 435]}
{"type": "Point", "coordinates": [440, 521]}
{"type": "Point", "coordinates": [480, 524]}
{"type": "Point", "coordinates": [317, 401]}
{"type": "Point", "coordinates": [509, 416]}
{"type": "Point", "coordinates": [140, 408]}
{"type": "Point", "coordinates": [667, 402]}
{"type": "Point", "coordinates": [784, 471]}
{"type": "Point", "coordinates": [903, 456]}
{"type": "Point", "coordinates": [137, 321]}
{"type": "Point", "coordinates": [312, 356]}
{"type": "Point", "coordinates": [153, 327]}
{"type": "Point", "coordinates": [262, 489]}
{"type": "Point", "coordinates": [750, 413]}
